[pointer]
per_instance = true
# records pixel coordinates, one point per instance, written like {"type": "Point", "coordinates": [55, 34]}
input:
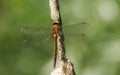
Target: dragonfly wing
{"type": "Point", "coordinates": [75, 34]}
{"type": "Point", "coordinates": [79, 29]}
{"type": "Point", "coordinates": [36, 35]}
{"type": "Point", "coordinates": [43, 35]}
{"type": "Point", "coordinates": [35, 31]}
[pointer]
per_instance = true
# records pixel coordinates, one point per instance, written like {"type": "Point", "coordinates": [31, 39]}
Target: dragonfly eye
{"type": "Point", "coordinates": [55, 23]}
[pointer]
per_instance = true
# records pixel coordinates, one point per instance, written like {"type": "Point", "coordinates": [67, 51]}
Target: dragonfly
{"type": "Point", "coordinates": [42, 34]}
{"type": "Point", "coordinates": [55, 32]}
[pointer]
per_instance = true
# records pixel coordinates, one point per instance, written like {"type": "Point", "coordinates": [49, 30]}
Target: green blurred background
{"type": "Point", "coordinates": [98, 53]}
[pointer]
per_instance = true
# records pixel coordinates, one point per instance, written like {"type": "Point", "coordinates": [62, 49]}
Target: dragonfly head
{"type": "Point", "coordinates": [55, 24]}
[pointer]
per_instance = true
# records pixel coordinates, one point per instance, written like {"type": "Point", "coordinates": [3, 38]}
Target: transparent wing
{"type": "Point", "coordinates": [76, 29]}
{"type": "Point", "coordinates": [43, 35]}
{"type": "Point", "coordinates": [36, 35]}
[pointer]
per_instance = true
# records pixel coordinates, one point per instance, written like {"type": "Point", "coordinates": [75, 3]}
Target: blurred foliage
{"type": "Point", "coordinates": [96, 53]}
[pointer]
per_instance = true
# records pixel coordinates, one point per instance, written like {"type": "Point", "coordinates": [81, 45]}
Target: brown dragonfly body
{"type": "Point", "coordinates": [55, 36]}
